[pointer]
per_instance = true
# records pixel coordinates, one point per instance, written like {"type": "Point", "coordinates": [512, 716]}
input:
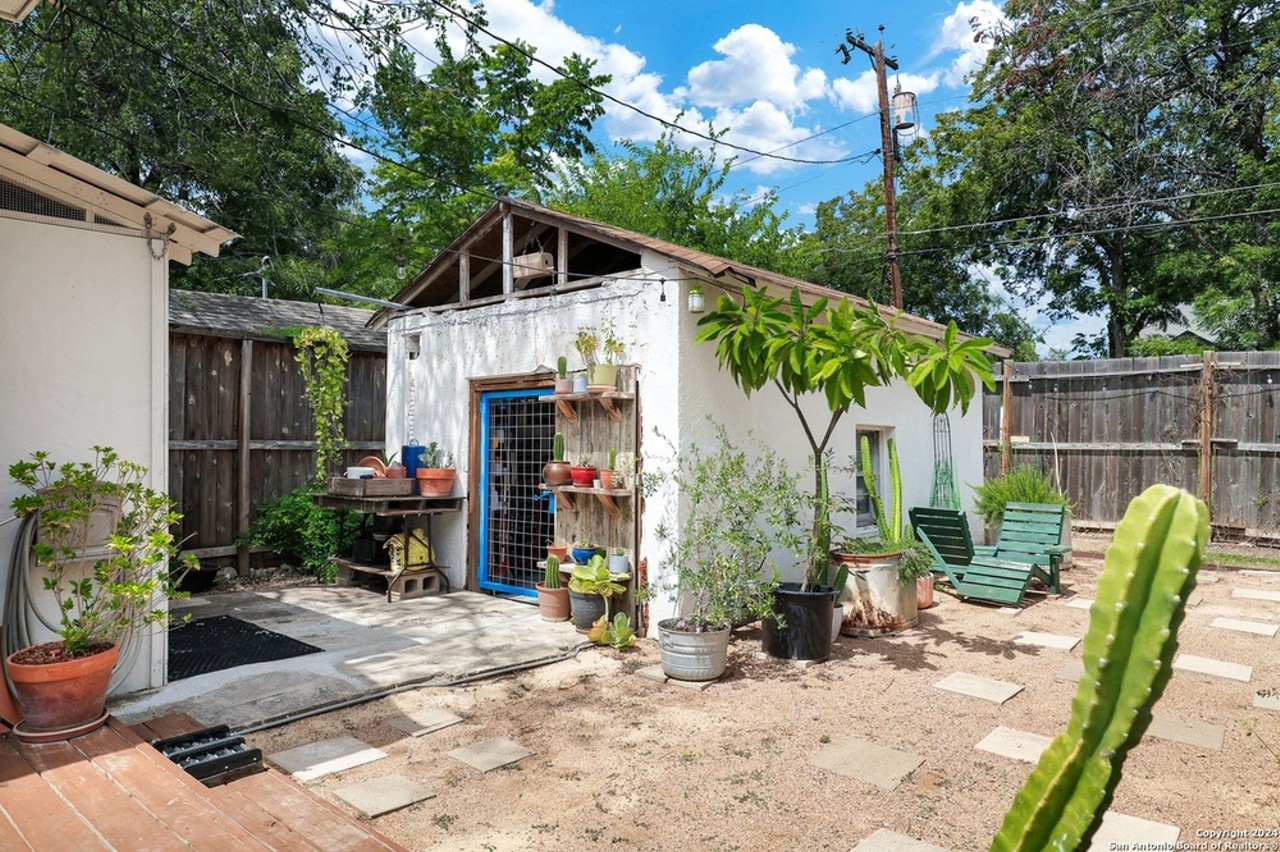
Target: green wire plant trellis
{"type": "Point", "coordinates": [945, 493]}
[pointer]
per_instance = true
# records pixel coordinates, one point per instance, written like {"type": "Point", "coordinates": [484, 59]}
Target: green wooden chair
{"type": "Point", "coordinates": [1031, 534]}
{"type": "Point", "coordinates": [945, 532]}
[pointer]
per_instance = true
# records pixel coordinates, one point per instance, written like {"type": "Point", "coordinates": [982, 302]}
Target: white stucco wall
{"type": "Point", "coordinates": [680, 383]}
{"type": "Point", "coordinates": [83, 354]}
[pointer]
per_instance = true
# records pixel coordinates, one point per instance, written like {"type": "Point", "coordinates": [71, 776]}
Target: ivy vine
{"type": "Point", "coordinates": [322, 355]}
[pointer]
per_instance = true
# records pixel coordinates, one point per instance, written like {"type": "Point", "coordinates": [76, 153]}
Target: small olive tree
{"type": "Point", "coordinates": [838, 350]}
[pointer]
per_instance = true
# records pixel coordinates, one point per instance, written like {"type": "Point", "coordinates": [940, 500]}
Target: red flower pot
{"type": "Point", "coordinates": [64, 695]}
{"type": "Point", "coordinates": [583, 476]}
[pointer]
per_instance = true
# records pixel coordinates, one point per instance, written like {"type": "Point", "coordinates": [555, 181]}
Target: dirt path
{"type": "Point", "coordinates": [625, 762]}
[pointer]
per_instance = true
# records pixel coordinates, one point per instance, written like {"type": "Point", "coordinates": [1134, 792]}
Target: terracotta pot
{"type": "Point", "coordinates": [553, 604]}
{"type": "Point", "coordinates": [436, 481]}
{"type": "Point", "coordinates": [65, 695]}
{"type": "Point", "coordinates": [607, 478]}
{"type": "Point", "coordinates": [564, 386]}
{"type": "Point", "coordinates": [583, 476]}
{"type": "Point", "coordinates": [924, 592]}
{"type": "Point", "coordinates": [395, 470]}
{"type": "Point", "coordinates": [559, 551]}
{"type": "Point", "coordinates": [556, 473]}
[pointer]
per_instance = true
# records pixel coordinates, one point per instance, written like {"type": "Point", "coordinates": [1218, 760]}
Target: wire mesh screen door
{"type": "Point", "coordinates": [516, 517]}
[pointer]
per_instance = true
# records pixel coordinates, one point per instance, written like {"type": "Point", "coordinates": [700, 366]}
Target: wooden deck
{"type": "Point", "coordinates": [110, 790]}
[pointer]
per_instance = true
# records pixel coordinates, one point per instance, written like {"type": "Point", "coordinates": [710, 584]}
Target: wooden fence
{"type": "Point", "coordinates": [240, 432]}
{"type": "Point", "coordinates": [1107, 429]}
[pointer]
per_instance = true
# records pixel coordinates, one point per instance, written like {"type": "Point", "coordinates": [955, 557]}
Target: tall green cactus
{"type": "Point", "coordinates": [888, 525]}
{"type": "Point", "coordinates": [1150, 570]}
{"type": "Point", "coordinates": [562, 367]}
{"type": "Point", "coordinates": [613, 458]}
{"type": "Point", "coordinates": [551, 580]}
{"type": "Point", "coordinates": [557, 447]}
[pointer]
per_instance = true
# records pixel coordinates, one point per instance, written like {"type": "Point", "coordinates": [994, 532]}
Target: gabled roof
{"type": "Point", "coordinates": [241, 317]}
{"type": "Point", "coordinates": [483, 242]}
{"type": "Point", "coordinates": [86, 193]}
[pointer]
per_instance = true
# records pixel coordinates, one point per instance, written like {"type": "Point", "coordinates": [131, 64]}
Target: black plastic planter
{"type": "Point", "coordinates": [805, 632]}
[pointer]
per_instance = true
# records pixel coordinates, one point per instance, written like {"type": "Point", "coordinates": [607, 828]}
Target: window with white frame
{"type": "Point", "coordinates": [864, 512]}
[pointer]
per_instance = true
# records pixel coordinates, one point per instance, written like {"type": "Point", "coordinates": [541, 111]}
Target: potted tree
{"type": "Point", "coordinates": [553, 599]}
{"type": "Point", "coordinates": [741, 511]}
{"type": "Point", "coordinates": [436, 474]}
{"type": "Point", "coordinates": [557, 471]}
{"type": "Point", "coordinates": [108, 570]}
{"type": "Point", "coordinates": [838, 351]}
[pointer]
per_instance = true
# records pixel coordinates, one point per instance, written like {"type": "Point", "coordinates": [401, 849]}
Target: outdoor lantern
{"type": "Point", "coordinates": [696, 303]}
{"type": "Point", "coordinates": [904, 110]}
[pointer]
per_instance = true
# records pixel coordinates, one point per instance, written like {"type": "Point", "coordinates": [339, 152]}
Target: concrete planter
{"type": "Point", "coordinates": [874, 602]}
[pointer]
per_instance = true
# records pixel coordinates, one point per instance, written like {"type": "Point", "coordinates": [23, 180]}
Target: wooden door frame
{"type": "Point", "coordinates": [478, 388]}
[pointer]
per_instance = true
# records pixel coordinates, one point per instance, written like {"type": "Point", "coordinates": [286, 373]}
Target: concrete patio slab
{"type": "Point", "coordinates": [379, 796]}
{"type": "Point", "coordinates": [313, 760]}
{"type": "Point", "coordinates": [1215, 668]}
{"type": "Point", "coordinates": [976, 686]}
{"type": "Point", "coordinates": [1265, 576]}
{"type": "Point", "coordinates": [1198, 734]}
{"type": "Point", "coordinates": [1120, 831]}
{"type": "Point", "coordinates": [657, 675]}
{"type": "Point", "coordinates": [1014, 744]}
{"type": "Point", "coordinates": [884, 840]}
{"type": "Point", "coordinates": [1071, 672]}
{"type": "Point", "coordinates": [863, 760]}
{"type": "Point", "coordinates": [1256, 595]}
{"type": "Point", "coordinates": [1267, 699]}
{"type": "Point", "coordinates": [424, 721]}
{"type": "Point", "coordinates": [490, 754]}
{"type": "Point", "coordinates": [1080, 603]}
{"type": "Point", "coordinates": [1052, 641]}
{"type": "Point", "coordinates": [1259, 628]}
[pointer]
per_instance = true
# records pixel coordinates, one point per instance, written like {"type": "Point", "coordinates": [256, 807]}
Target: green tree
{"type": "Point", "coordinates": [677, 194]}
{"type": "Point", "coordinates": [214, 105]}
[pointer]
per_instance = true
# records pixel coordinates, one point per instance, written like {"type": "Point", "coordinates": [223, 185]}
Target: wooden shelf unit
{"type": "Point", "coordinates": [606, 496]}
{"type": "Point", "coordinates": [567, 403]}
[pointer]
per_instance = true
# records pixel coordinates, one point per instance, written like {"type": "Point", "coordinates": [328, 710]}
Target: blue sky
{"type": "Point", "coordinates": [767, 73]}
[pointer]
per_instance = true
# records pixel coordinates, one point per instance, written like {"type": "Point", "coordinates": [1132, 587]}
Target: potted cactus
{"type": "Point", "coordinates": [557, 471]}
{"type": "Point", "coordinates": [583, 473]}
{"type": "Point", "coordinates": [608, 474]}
{"type": "Point", "coordinates": [553, 599]}
{"type": "Point", "coordinates": [564, 384]}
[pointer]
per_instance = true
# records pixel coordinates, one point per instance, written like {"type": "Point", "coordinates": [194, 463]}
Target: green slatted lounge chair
{"type": "Point", "coordinates": [945, 532]}
{"type": "Point", "coordinates": [1031, 534]}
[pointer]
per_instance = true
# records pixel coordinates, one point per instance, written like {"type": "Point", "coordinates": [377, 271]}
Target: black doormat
{"type": "Point", "coordinates": [223, 642]}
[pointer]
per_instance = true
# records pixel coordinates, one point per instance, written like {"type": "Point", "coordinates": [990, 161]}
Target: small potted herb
{"type": "Point", "coordinates": [436, 474]}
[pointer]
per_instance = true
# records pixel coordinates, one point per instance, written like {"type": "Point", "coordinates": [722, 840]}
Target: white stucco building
{"type": "Point", "coordinates": [470, 368]}
{"type": "Point", "coordinates": [84, 259]}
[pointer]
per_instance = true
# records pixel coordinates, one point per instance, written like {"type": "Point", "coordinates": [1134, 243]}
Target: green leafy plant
{"type": "Point", "coordinates": [611, 344]}
{"type": "Point", "coordinates": [617, 633]}
{"type": "Point", "coordinates": [742, 511]}
{"type": "Point", "coordinates": [838, 351]}
{"type": "Point", "coordinates": [587, 342]}
{"type": "Point", "coordinates": [434, 456]}
{"type": "Point", "coordinates": [1149, 572]}
{"type": "Point", "coordinates": [322, 356]}
{"type": "Point", "coordinates": [103, 589]}
{"type": "Point", "coordinates": [294, 527]}
{"type": "Point", "coordinates": [1024, 484]}
{"type": "Point", "coordinates": [551, 575]}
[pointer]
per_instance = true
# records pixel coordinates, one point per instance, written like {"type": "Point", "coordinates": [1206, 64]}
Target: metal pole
{"type": "Point", "coordinates": [890, 200]}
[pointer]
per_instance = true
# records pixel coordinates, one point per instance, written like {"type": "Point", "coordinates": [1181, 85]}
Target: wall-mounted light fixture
{"type": "Point", "coordinates": [696, 303]}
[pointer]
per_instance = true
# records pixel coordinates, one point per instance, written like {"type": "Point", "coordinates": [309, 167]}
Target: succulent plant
{"type": "Point", "coordinates": [551, 580]}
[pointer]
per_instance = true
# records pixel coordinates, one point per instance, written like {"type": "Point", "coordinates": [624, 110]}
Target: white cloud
{"type": "Point", "coordinates": [757, 67]}
{"type": "Point", "coordinates": [957, 36]}
{"type": "Point", "coordinates": [860, 94]}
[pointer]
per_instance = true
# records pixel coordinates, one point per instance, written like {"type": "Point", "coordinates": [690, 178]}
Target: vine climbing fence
{"type": "Point", "coordinates": [1106, 429]}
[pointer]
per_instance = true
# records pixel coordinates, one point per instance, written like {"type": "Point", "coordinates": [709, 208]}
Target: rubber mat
{"type": "Point", "coordinates": [224, 642]}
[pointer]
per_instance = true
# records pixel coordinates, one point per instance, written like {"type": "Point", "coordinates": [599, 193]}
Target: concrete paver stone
{"type": "Point", "coordinates": [1267, 699]}
{"type": "Point", "coordinates": [657, 675]}
{"type": "Point", "coordinates": [314, 760]}
{"type": "Point", "coordinates": [1071, 672]}
{"type": "Point", "coordinates": [865, 761]}
{"type": "Point", "coordinates": [379, 796]}
{"type": "Point", "coordinates": [424, 721]}
{"type": "Point", "coordinates": [490, 754]}
{"type": "Point", "coordinates": [1052, 641]}
{"type": "Point", "coordinates": [1256, 594]}
{"type": "Point", "coordinates": [1120, 831]}
{"type": "Point", "coordinates": [976, 686]}
{"type": "Point", "coordinates": [1018, 745]}
{"type": "Point", "coordinates": [1260, 628]}
{"type": "Point", "coordinates": [1080, 603]}
{"type": "Point", "coordinates": [1199, 734]}
{"type": "Point", "coordinates": [1216, 668]}
{"type": "Point", "coordinates": [884, 840]}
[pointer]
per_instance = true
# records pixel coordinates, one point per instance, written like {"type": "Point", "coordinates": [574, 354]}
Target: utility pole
{"type": "Point", "coordinates": [887, 146]}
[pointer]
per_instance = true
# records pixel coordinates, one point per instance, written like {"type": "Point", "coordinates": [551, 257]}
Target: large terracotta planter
{"type": "Point", "coordinates": [557, 473]}
{"type": "Point", "coordinates": [436, 481]}
{"type": "Point", "coordinates": [65, 695]}
{"type": "Point", "coordinates": [553, 604]}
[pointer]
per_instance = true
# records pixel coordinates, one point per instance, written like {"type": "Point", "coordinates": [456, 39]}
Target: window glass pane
{"type": "Point", "coordinates": [865, 514]}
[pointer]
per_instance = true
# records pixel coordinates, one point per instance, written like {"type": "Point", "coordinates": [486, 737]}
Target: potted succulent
{"type": "Point", "coordinates": [741, 510]}
{"type": "Point", "coordinates": [608, 475]}
{"type": "Point", "coordinates": [104, 544]}
{"type": "Point", "coordinates": [557, 471]}
{"type": "Point", "coordinates": [559, 551]}
{"type": "Point", "coordinates": [583, 473]}
{"type": "Point", "coordinates": [436, 474]}
{"type": "Point", "coordinates": [836, 351]}
{"type": "Point", "coordinates": [564, 384]}
{"type": "Point", "coordinates": [618, 563]}
{"type": "Point", "coordinates": [583, 550]}
{"type": "Point", "coordinates": [590, 587]}
{"type": "Point", "coordinates": [553, 599]}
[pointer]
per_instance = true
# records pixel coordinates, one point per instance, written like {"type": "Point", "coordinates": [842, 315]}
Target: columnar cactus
{"type": "Point", "coordinates": [562, 366]}
{"type": "Point", "coordinates": [1150, 570]}
{"type": "Point", "coordinates": [552, 578]}
{"type": "Point", "coordinates": [557, 447]}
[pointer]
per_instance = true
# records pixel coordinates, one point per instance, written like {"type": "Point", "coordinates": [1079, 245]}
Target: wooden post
{"type": "Point", "coordinates": [1210, 361]}
{"type": "Point", "coordinates": [464, 277]}
{"type": "Point", "coordinates": [508, 252]}
{"type": "Point", "coordinates": [1006, 420]}
{"type": "Point", "coordinates": [562, 257]}
{"type": "Point", "coordinates": [242, 473]}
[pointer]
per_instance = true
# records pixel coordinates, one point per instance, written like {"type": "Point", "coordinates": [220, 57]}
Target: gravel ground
{"type": "Point", "coordinates": [624, 761]}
